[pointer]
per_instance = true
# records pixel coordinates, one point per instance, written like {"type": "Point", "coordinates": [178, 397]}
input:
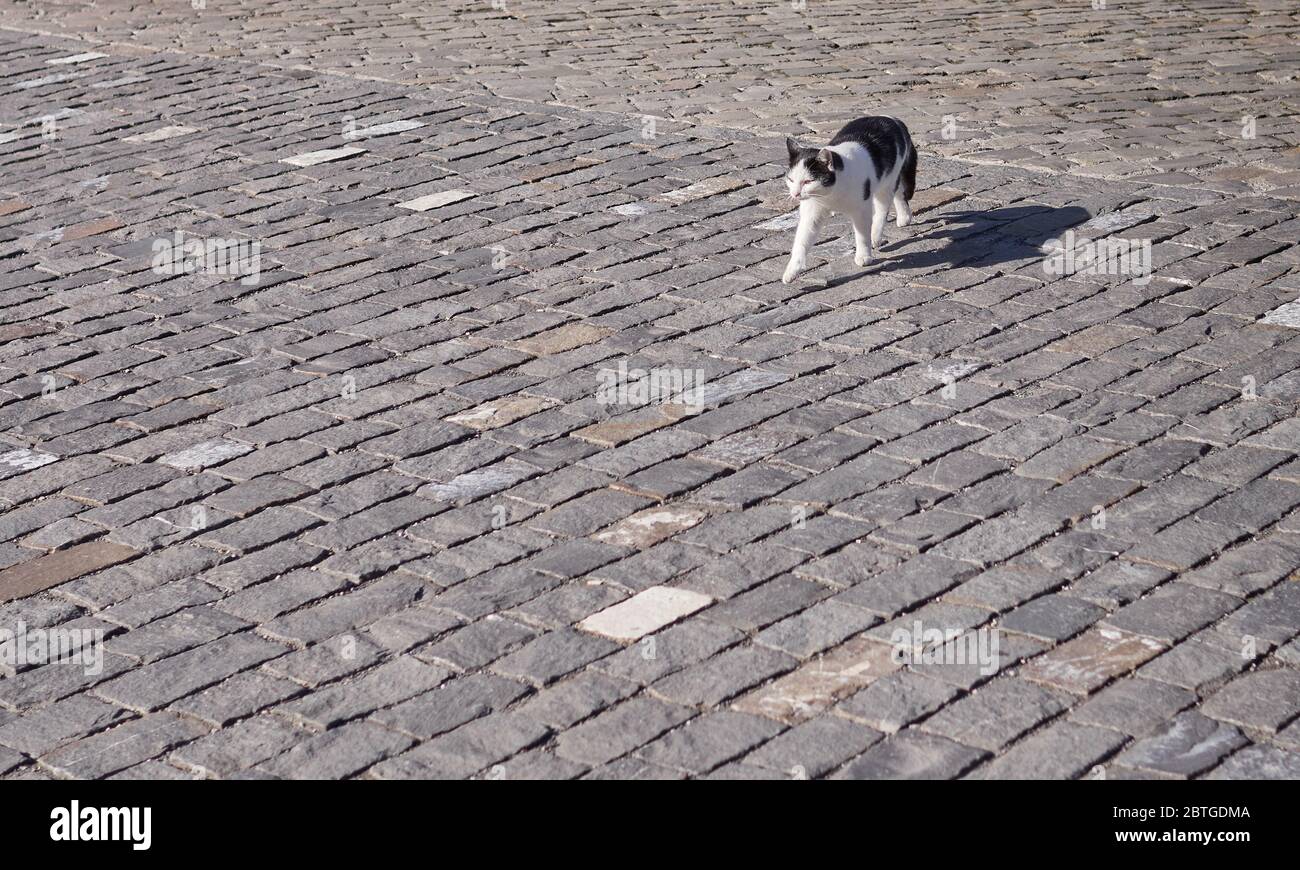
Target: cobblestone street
{"type": "Point", "coordinates": [353, 503]}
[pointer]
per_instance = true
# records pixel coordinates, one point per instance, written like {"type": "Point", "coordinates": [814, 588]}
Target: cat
{"type": "Point", "coordinates": [869, 162]}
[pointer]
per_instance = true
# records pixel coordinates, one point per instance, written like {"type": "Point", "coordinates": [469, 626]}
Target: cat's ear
{"type": "Point", "coordinates": [826, 156]}
{"type": "Point", "coordinates": [792, 149]}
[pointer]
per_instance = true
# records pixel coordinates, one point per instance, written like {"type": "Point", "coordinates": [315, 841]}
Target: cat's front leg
{"type": "Point", "coordinates": [804, 237]}
{"type": "Point", "coordinates": [862, 235]}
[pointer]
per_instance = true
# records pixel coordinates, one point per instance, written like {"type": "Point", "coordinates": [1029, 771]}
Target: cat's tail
{"type": "Point", "coordinates": [907, 178]}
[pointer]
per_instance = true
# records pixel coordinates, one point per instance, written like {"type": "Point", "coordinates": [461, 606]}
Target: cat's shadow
{"type": "Point", "coordinates": [979, 239]}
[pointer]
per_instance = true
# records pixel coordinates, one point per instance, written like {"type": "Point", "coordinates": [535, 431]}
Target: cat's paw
{"type": "Point", "coordinates": [904, 220]}
{"type": "Point", "coordinates": [862, 258]}
{"type": "Point", "coordinates": [791, 272]}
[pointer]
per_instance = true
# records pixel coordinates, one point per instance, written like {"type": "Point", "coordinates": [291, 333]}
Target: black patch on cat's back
{"type": "Point", "coordinates": [886, 140]}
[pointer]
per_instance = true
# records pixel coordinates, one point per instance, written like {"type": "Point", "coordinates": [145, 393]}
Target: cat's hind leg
{"type": "Point", "coordinates": [902, 209]}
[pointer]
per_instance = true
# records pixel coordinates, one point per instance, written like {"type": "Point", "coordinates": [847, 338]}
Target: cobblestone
{"type": "Point", "coordinates": [354, 506]}
{"type": "Point", "coordinates": [912, 755]}
{"type": "Point", "coordinates": [119, 748]}
{"type": "Point", "coordinates": [1185, 745]}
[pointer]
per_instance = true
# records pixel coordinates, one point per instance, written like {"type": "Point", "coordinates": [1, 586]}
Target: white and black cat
{"type": "Point", "coordinates": [868, 163]}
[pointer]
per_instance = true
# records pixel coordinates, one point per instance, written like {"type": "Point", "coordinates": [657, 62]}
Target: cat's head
{"type": "Point", "coordinates": [812, 170]}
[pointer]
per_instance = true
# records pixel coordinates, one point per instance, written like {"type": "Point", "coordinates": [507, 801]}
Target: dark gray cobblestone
{"type": "Point", "coordinates": [365, 515]}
